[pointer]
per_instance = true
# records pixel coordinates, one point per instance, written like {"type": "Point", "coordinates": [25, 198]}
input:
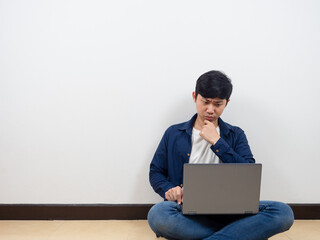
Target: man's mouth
{"type": "Point", "coordinates": [209, 118]}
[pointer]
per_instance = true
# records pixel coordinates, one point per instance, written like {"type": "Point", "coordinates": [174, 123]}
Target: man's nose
{"type": "Point", "coordinates": [210, 109]}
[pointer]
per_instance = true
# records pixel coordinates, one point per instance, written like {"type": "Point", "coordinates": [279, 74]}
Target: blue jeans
{"type": "Point", "coordinates": [166, 220]}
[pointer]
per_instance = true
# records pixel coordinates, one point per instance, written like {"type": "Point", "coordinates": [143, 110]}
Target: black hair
{"type": "Point", "coordinates": [214, 84]}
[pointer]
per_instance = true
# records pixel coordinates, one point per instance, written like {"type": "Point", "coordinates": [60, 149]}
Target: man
{"type": "Point", "coordinates": [207, 139]}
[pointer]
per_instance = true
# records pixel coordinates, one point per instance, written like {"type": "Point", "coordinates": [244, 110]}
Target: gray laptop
{"type": "Point", "coordinates": [228, 188]}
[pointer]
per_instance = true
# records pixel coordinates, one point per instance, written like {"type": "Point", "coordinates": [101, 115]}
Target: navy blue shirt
{"type": "Point", "coordinates": [166, 168]}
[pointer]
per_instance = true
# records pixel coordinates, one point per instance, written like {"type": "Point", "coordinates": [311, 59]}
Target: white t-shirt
{"type": "Point", "coordinates": [201, 151]}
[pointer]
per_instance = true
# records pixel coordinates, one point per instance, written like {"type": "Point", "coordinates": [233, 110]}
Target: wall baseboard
{"type": "Point", "coordinates": [306, 211]}
{"type": "Point", "coordinates": [108, 211]}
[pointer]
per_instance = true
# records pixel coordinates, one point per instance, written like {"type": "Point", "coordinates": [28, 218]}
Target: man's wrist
{"type": "Point", "coordinates": [214, 141]}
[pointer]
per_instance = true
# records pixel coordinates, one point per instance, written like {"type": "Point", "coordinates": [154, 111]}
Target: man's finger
{"type": "Point", "coordinates": [168, 196]}
{"type": "Point", "coordinates": [179, 195]}
{"type": "Point", "coordinates": [181, 200]}
{"type": "Point", "coordinates": [171, 196]}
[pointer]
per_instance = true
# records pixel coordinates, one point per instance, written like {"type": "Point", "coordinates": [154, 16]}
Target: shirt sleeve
{"type": "Point", "coordinates": [238, 153]}
{"type": "Point", "coordinates": [158, 175]}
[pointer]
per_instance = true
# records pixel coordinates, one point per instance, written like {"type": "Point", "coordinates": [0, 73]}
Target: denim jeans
{"type": "Point", "coordinates": [166, 220]}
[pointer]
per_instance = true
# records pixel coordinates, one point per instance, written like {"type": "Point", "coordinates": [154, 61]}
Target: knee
{"type": "Point", "coordinates": [153, 215]}
{"type": "Point", "coordinates": [160, 215]}
{"type": "Point", "coordinates": [285, 214]}
{"type": "Point", "coordinates": [282, 215]}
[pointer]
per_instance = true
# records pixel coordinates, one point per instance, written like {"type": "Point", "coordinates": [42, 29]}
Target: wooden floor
{"type": "Point", "coordinates": [119, 230]}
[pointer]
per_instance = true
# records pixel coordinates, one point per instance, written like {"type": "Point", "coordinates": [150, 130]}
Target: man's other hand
{"type": "Point", "coordinates": [175, 194]}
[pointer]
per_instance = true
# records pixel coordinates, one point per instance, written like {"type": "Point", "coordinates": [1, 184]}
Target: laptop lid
{"type": "Point", "coordinates": [228, 188]}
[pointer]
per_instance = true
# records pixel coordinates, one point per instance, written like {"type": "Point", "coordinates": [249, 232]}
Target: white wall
{"type": "Point", "coordinates": [87, 89]}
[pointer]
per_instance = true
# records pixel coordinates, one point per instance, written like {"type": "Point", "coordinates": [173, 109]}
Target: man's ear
{"type": "Point", "coordinates": [194, 96]}
{"type": "Point", "coordinates": [228, 101]}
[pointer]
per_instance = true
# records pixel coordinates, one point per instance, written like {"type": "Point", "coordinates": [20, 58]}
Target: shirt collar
{"type": "Point", "coordinates": [188, 126]}
{"type": "Point", "coordinates": [225, 128]}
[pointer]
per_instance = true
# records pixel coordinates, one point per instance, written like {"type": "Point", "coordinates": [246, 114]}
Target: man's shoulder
{"type": "Point", "coordinates": [178, 127]}
{"type": "Point", "coordinates": [181, 127]}
{"type": "Point", "coordinates": [227, 127]}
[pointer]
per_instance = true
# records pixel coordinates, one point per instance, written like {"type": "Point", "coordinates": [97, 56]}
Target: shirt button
{"type": "Point", "coordinates": [217, 150]}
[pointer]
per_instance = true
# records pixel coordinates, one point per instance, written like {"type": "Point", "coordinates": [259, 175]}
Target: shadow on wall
{"type": "Point", "coordinates": [180, 111]}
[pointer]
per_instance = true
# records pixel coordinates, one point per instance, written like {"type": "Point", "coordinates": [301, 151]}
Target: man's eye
{"type": "Point", "coordinates": [218, 105]}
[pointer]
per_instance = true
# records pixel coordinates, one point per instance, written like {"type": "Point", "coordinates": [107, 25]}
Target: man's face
{"type": "Point", "coordinates": [209, 108]}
